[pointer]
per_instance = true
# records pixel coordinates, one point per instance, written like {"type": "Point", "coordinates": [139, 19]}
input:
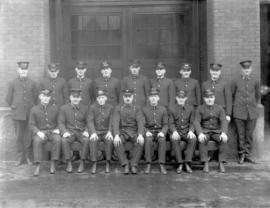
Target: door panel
{"type": "Point", "coordinates": [121, 33]}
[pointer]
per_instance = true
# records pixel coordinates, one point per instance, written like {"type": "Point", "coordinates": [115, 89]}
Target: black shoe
{"type": "Point", "coordinates": [206, 167]}
{"type": "Point", "coordinates": [147, 169]}
{"type": "Point", "coordinates": [221, 167]}
{"type": "Point", "coordinates": [242, 159]}
{"type": "Point", "coordinates": [188, 169]}
{"type": "Point", "coordinates": [134, 170]}
{"type": "Point", "coordinates": [126, 169]}
{"type": "Point", "coordinates": [162, 169]}
{"type": "Point", "coordinates": [179, 169]}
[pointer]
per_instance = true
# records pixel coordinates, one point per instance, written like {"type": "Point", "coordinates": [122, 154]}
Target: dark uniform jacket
{"type": "Point", "coordinates": [59, 95]}
{"type": "Point", "coordinates": [246, 95]}
{"type": "Point", "coordinates": [210, 119]}
{"type": "Point", "coordinates": [43, 118]}
{"type": "Point", "coordinates": [181, 119]}
{"type": "Point", "coordinates": [73, 118]}
{"type": "Point", "coordinates": [222, 91]}
{"type": "Point", "coordinates": [111, 85]}
{"type": "Point", "coordinates": [166, 90]}
{"type": "Point", "coordinates": [21, 97]}
{"type": "Point", "coordinates": [192, 88]}
{"type": "Point", "coordinates": [156, 118]}
{"type": "Point", "coordinates": [100, 118]}
{"type": "Point", "coordinates": [128, 118]}
{"type": "Point", "coordinates": [85, 85]}
{"type": "Point", "coordinates": [140, 85]}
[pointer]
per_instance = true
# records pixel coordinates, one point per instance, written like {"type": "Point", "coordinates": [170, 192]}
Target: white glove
{"type": "Point", "coordinates": [140, 139]}
{"type": "Point", "coordinates": [228, 118]}
{"type": "Point", "coordinates": [224, 137]}
{"type": "Point", "coordinates": [191, 135]}
{"type": "Point", "coordinates": [175, 135]}
{"type": "Point", "coordinates": [56, 131]}
{"type": "Point", "coordinates": [94, 137]}
{"type": "Point", "coordinates": [202, 138]}
{"type": "Point", "coordinates": [109, 136]}
{"type": "Point", "coordinates": [161, 134]}
{"type": "Point", "coordinates": [41, 134]}
{"type": "Point", "coordinates": [117, 140]}
{"type": "Point", "coordinates": [85, 133]}
{"type": "Point", "coordinates": [66, 134]}
{"type": "Point", "coordinates": [148, 134]}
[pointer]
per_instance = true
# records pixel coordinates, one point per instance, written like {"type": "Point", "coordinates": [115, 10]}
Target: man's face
{"type": "Point", "coordinates": [209, 100]}
{"type": "Point", "coordinates": [215, 74]}
{"type": "Point", "coordinates": [160, 72]}
{"type": "Point", "coordinates": [22, 72]}
{"type": "Point", "coordinates": [101, 99]}
{"type": "Point", "coordinates": [128, 99]}
{"type": "Point", "coordinates": [185, 73]}
{"type": "Point", "coordinates": [134, 70]}
{"type": "Point", "coordinates": [247, 71]}
{"type": "Point", "coordinates": [106, 72]}
{"type": "Point", "coordinates": [153, 100]}
{"type": "Point", "coordinates": [75, 100]}
{"type": "Point", "coordinates": [181, 100]}
{"type": "Point", "coordinates": [44, 99]}
{"type": "Point", "coordinates": [53, 74]}
{"type": "Point", "coordinates": [80, 71]}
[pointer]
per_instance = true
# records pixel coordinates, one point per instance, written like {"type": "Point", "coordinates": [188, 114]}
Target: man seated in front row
{"type": "Point", "coordinates": [43, 124]}
{"type": "Point", "coordinates": [210, 123]}
{"type": "Point", "coordinates": [128, 126]}
{"type": "Point", "coordinates": [156, 127]}
{"type": "Point", "coordinates": [181, 126]}
{"type": "Point", "coordinates": [100, 123]}
{"type": "Point", "coordinates": [72, 122]}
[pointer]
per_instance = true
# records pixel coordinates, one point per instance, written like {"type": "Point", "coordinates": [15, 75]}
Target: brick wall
{"type": "Point", "coordinates": [24, 35]}
{"type": "Point", "coordinates": [233, 28]}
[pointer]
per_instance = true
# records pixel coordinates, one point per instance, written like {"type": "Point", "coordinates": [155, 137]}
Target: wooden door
{"type": "Point", "coordinates": [120, 31]}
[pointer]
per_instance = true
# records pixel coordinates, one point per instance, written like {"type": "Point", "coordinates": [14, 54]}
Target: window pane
{"type": "Point", "coordinates": [89, 22]}
{"type": "Point", "coordinates": [101, 23]}
{"type": "Point", "coordinates": [102, 37]}
{"type": "Point", "coordinates": [165, 51]}
{"type": "Point", "coordinates": [146, 52]}
{"type": "Point", "coordinates": [76, 22]}
{"type": "Point", "coordinates": [115, 37]}
{"type": "Point", "coordinates": [165, 36]}
{"type": "Point", "coordinates": [114, 22]}
{"type": "Point", "coordinates": [153, 37]}
{"type": "Point", "coordinates": [141, 37]}
{"type": "Point", "coordinates": [165, 20]}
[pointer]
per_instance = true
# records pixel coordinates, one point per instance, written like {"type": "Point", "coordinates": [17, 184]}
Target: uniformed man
{"type": "Point", "coordinates": [43, 124]}
{"type": "Point", "coordinates": [181, 118]}
{"type": "Point", "coordinates": [189, 85]}
{"type": "Point", "coordinates": [83, 83]}
{"type": "Point", "coordinates": [164, 85]}
{"type": "Point", "coordinates": [21, 97]}
{"type": "Point", "coordinates": [72, 122]}
{"type": "Point", "coordinates": [221, 89]}
{"type": "Point", "coordinates": [137, 82]}
{"type": "Point", "coordinates": [210, 124]}
{"type": "Point", "coordinates": [246, 97]}
{"type": "Point", "coordinates": [128, 125]}
{"type": "Point", "coordinates": [58, 85]}
{"type": "Point", "coordinates": [156, 127]}
{"type": "Point", "coordinates": [108, 83]}
{"type": "Point", "coordinates": [100, 122]}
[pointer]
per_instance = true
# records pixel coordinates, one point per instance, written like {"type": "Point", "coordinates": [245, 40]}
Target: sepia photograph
{"type": "Point", "coordinates": [134, 103]}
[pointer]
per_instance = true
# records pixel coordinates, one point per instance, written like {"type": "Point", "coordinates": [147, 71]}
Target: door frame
{"type": "Point", "coordinates": [58, 7]}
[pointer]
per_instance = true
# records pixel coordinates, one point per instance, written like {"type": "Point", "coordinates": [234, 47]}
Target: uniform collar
{"type": "Point", "coordinates": [75, 107]}
{"type": "Point", "coordinates": [106, 79]}
{"type": "Point", "coordinates": [160, 78]}
{"type": "Point", "coordinates": [80, 79]}
{"type": "Point", "coordinates": [135, 76]}
{"type": "Point", "coordinates": [215, 81]}
{"type": "Point", "coordinates": [22, 79]}
{"type": "Point", "coordinates": [244, 77]}
{"type": "Point", "coordinates": [153, 107]}
{"type": "Point", "coordinates": [182, 106]}
{"type": "Point", "coordinates": [128, 105]}
{"type": "Point", "coordinates": [44, 107]}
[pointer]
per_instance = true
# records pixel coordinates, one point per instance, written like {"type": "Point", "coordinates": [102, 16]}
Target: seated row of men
{"type": "Point", "coordinates": [238, 98]}
{"type": "Point", "coordinates": [127, 122]}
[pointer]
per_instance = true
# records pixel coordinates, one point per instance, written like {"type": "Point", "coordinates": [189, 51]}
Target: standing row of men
{"type": "Point", "coordinates": [244, 92]}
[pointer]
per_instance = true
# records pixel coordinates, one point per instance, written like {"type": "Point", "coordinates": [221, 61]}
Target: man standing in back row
{"type": "Point", "coordinates": [246, 97]}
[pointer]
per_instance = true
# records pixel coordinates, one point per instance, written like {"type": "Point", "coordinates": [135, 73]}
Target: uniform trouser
{"type": "Point", "coordinates": [245, 130]}
{"type": "Point", "coordinates": [23, 138]}
{"type": "Point", "coordinates": [149, 143]}
{"type": "Point", "coordinates": [55, 139]}
{"type": "Point", "coordinates": [188, 150]}
{"type": "Point", "coordinates": [75, 136]}
{"type": "Point", "coordinates": [221, 146]}
{"type": "Point", "coordinates": [136, 151]}
{"type": "Point", "coordinates": [94, 147]}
